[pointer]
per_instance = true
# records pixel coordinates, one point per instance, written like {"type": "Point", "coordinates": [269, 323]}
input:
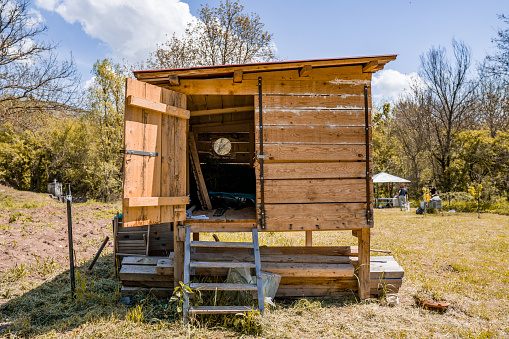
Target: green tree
{"type": "Point", "coordinates": [483, 158]}
{"type": "Point", "coordinates": [384, 142]}
{"type": "Point", "coordinates": [222, 35]}
{"type": "Point", "coordinates": [106, 112]}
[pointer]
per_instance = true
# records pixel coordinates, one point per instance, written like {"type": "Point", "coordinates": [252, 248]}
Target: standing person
{"type": "Point", "coordinates": [402, 196]}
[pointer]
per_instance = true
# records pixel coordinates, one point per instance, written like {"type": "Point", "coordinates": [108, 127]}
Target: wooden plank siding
{"type": "Point", "coordinates": [314, 137]}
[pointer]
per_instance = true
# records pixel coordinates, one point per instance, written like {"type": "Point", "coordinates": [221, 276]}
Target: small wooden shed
{"type": "Point", "coordinates": [295, 135]}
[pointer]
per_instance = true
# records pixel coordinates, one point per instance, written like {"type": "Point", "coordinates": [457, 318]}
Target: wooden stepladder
{"type": "Point", "coordinates": [189, 264]}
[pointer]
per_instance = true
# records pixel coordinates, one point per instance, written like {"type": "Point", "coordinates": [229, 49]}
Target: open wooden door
{"type": "Point", "coordinates": [155, 140]}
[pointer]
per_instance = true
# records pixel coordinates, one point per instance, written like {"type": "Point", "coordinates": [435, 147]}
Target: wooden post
{"type": "Point", "coordinates": [178, 253]}
{"type": "Point", "coordinates": [364, 266]}
{"type": "Point", "coordinates": [196, 236]}
{"type": "Point", "coordinates": [309, 238]}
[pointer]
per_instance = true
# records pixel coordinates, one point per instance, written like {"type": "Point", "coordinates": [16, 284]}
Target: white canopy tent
{"type": "Point", "coordinates": [386, 177]}
{"type": "Point", "coordinates": [383, 177]}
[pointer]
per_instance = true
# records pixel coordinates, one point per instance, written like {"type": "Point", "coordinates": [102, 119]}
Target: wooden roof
{"type": "Point", "coordinates": [370, 64]}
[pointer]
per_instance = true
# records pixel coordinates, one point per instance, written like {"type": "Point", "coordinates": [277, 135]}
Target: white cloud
{"type": "Point", "coordinates": [131, 28]}
{"type": "Point", "coordinates": [35, 18]}
{"type": "Point", "coordinates": [390, 84]}
{"type": "Point", "coordinates": [89, 83]}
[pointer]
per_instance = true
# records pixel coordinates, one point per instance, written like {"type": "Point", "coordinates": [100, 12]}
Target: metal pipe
{"type": "Point", "coordinates": [69, 232]}
{"type": "Point", "coordinates": [261, 156]}
{"type": "Point", "coordinates": [369, 216]}
{"type": "Point", "coordinates": [98, 253]}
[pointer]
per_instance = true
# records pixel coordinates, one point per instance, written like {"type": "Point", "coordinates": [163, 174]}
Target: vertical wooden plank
{"type": "Point", "coordinates": [178, 253]}
{"type": "Point", "coordinates": [196, 236]}
{"type": "Point", "coordinates": [364, 266]}
{"type": "Point", "coordinates": [180, 153]}
{"type": "Point", "coordinates": [152, 165]}
{"type": "Point", "coordinates": [309, 238]}
{"type": "Point", "coordinates": [167, 156]}
{"type": "Point", "coordinates": [179, 188]}
{"type": "Point", "coordinates": [133, 164]}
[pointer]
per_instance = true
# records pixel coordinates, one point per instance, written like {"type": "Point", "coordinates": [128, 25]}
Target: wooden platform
{"type": "Point", "coordinates": [242, 220]}
{"type": "Point", "coordinates": [303, 274]}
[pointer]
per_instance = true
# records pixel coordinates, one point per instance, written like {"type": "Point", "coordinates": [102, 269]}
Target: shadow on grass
{"type": "Point", "coordinates": [97, 308]}
{"type": "Point", "coordinates": [49, 307]}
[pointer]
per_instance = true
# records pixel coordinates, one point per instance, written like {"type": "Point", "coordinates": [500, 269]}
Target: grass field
{"type": "Point", "coordinates": [454, 257]}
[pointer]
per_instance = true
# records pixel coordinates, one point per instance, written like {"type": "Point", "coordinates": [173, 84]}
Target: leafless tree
{"type": "Point", "coordinates": [499, 62]}
{"type": "Point", "coordinates": [451, 101]}
{"type": "Point", "coordinates": [412, 131]}
{"type": "Point", "coordinates": [32, 79]}
{"type": "Point", "coordinates": [222, 35]}
{"type": "Point", "coordinates": [493, 103]}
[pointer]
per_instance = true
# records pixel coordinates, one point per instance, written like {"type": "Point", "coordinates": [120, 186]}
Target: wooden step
{"type": "Point", "coordinates": [131, 232]}
{"type": "Point", "coordinates": [142, 260]}
{"type": "Point", "coordinates": [144, 273]}
{"type": "Point", "coordinates": [221, 244]}
{"type": "Point", "coordinates": [219, 309]}
{"type": "Point", "coordinates": [223, 287]}
{"type": "Point", "coordinates": [165, 266]}
{"type": "Point", "coordinates": [309, 269]}
{"type": "Point", "coordinates": [221, 264]}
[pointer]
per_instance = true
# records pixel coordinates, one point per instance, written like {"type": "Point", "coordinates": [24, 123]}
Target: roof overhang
{"type": "Point", "coordinates": [371, 64]}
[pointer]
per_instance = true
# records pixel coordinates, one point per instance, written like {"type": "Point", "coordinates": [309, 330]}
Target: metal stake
{"type": "Point", "coordinates": [69, 232]}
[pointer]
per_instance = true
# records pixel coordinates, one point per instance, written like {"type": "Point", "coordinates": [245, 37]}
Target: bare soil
{"type": "Point", "coordinates": [35, 226]}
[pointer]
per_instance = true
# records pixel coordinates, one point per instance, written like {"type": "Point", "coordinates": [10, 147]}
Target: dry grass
{"type": "Point", "coordinates": [456, 258]}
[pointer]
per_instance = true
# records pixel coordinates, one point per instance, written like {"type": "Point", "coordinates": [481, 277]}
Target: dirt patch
{"type": "Point", "coordinates": [39, 233]}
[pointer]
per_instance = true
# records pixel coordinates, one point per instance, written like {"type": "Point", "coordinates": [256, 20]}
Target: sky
{"type": "Point", "coordinates": [128, 30]}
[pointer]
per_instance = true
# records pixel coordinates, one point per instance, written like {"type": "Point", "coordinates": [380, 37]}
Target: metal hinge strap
{"type": "Point", "coordinates": [150, 154]}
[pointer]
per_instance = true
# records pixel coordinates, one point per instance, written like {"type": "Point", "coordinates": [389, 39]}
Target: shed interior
{"type": "Point", "coordinates": [223, 129]}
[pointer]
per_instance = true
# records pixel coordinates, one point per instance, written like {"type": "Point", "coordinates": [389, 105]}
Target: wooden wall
{"type": "Point", "coordinates": [314, 137]}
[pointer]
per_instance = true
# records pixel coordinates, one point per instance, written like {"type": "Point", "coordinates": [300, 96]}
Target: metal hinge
{"type": "Point", "coordinates": [150, 154]}
{"type": "Point", "coordinates": [262, 156]}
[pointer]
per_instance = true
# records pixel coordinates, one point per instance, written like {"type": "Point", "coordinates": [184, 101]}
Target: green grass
{"type": "Point", "coordinates": [452, 257]}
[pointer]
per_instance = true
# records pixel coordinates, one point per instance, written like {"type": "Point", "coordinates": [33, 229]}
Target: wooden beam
{"type": "Point", "coordinates": [158, 107]}
{"type": "Point", "coordinates": [237, 75]}
{"type": "Point", "coordinates": [203, 193]}
{"type": "Point", "coordinates": [309, 238]}
{"type": "Point", "coordinates": [173, 79]}
{"type": "Point", "coordinates": [178, 255]}
{"type": "Point", "coordinates": [370, 67]}
{"type": "Point", "coordinates": [222, 111]}
{"type": "Point", "coordinates": [155, 201]}
{"type": "Point", "coordinates": [305, 71]}
{"type": "Point", "coordinates": [364, 263]}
